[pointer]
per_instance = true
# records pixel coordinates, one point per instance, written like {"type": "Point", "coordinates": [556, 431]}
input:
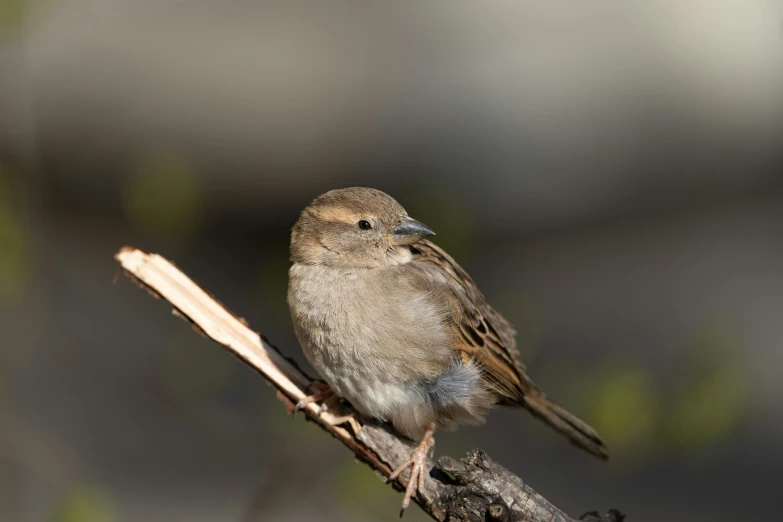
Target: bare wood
{"type": "Point", "coordinates": [474, 488]}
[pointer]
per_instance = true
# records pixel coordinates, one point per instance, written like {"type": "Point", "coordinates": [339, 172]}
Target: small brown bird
{"type": "Point", "coordinates": [396, 327]}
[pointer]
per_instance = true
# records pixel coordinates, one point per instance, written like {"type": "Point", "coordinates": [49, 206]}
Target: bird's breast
{"type": "Point", "coordinates": [336, 320]}
{"type": "Point", "coordinates": [366, 340]}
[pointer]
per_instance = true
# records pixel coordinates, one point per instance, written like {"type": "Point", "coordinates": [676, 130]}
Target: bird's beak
{"type": "Point", "coordinates": [409, 231]}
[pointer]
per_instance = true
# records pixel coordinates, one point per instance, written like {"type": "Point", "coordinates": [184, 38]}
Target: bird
{"type": "Point", "coordinates": [397, 328]}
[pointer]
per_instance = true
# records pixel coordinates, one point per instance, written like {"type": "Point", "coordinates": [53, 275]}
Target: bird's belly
{"type": "Point", "coordinates": [371, 394]}
{"type": "Point", "coordinates": [373, 385]}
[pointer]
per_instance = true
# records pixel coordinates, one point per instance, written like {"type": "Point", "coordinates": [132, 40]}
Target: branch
{"type": "Point", "coordinates": [476, 488]}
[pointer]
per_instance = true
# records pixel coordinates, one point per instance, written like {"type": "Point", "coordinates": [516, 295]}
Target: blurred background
{"type": "Point", "coordinates": [610, 173]}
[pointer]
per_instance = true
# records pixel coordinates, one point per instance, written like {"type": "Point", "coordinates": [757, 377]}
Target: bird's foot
{"type": "Point", "coordinates": [335, 420]}
{"type": "Point", "coordinates": [416, 462]}
{"type": "Point", "coordinates": [321, 392]}
{"type": "Point", "coordinates": [317, 392]}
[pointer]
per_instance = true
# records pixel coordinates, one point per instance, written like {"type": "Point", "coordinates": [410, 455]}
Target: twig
{"type": "Point", "coordinates": [474, 488]}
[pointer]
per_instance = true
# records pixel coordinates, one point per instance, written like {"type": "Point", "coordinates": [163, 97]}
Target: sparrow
{"type": "Point", "coordinates": [397, 328]}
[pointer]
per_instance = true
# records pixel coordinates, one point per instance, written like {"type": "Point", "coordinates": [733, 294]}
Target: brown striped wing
{"type": "Point", "coordinates": [481, 333]}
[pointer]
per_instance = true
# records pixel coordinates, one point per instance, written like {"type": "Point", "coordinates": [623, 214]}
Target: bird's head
{"type": "Point", "coordinates": [355, 227]}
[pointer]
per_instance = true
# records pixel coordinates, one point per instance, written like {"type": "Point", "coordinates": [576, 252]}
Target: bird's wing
{"type": "Point", "coordinates": [480, 333]}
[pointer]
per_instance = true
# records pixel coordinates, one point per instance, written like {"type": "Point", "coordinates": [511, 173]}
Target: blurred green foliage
{"type": "Point", "coordinates": [701, 402]}
{"type": "Point", "coordinates": [14, 248]}
{"type": "Point", "coordinates": [712, 394]}
{"type": "Point", "coordinates": [626, 408]}
{"type": "Point", "coordinates": [14, 14]}
{"type": "Point", "coordinates": [162, 196]}
{"type": "Point", "coordinates": [85, 504]}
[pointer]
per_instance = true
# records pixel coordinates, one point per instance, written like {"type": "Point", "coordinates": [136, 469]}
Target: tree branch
{"type": "Point", "coordinates": [473, 489]}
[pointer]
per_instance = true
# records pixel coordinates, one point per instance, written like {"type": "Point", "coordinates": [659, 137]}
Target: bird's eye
{"type": "Point", "coordinates": [364, 224]}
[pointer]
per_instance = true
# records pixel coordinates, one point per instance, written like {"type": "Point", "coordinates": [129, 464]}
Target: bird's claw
{"type": "Point", "coordinates": [416, 462]}
{"type": "Point", "coordinates": [321, 392]}
{"type": "Point", "coordinates": [318, 392]}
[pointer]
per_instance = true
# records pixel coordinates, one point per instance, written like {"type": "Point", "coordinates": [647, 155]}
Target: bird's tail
{"type": "Point", "coordinates": [577, 431]}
